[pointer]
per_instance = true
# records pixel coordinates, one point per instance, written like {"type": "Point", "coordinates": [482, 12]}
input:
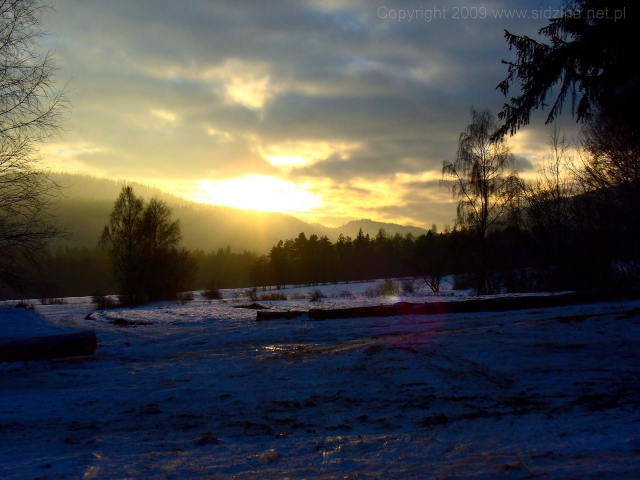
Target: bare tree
{"type": "Point", "coordinates": [611, 164]}
{"type": "Point", "coordinates": [31, 109]}
{"type": "Point", "coordinates": [548, 198]}
{"type": "Point", "coordinates": [477, 176]}
{"type": "Point", "coordinates": [610, 172]}
{"type": "Point", "coordinates": [477, 179]}
{"type": "Point", "coordinates": [548, 203]}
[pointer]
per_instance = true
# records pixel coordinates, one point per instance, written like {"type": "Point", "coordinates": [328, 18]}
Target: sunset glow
{"type": "Point", "coordinates": [327, 110]}
{"type": "Point", "coordinates": [292, 154]}
{"type": "Point", "coordinates": [257, 192]}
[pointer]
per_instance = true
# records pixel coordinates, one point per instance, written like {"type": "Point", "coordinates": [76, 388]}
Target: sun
{"type": "Point", "coordinates": [257, 192]}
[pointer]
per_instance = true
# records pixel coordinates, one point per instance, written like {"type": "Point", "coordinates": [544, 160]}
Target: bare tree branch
{"type": "Point", "coordinates": [31, 111]}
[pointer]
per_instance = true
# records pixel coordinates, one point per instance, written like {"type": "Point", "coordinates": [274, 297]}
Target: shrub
{"type": "Point", "coordinates": [104, 302]}
{"type": "Point", "coordinates": [627, 272]}
{"type": "Point", "coordinates": [24, 304]}
{"type": "Point", "coordinates": [492, 283]}
{"type": "Point", "coordinates": [273, 296]}
{"type": "Point", "coordinates": [131, 301]}
{"type": "Point", "coordinates": [346, 293]}
{"type": "Point", "coordinates": [53, 301]}
{"type": "Point", "coordinates": [388, 288]}
{"type": "Point", "coordinates": [212, 292]}
{"type": "Point", "coordinates": [298, 296]}
{"type": "Point", "coordinates": [316, 295]}
{"type": "Point", "coordinates": [433, 282]}
{"type": "Point", "coordinates": [371, 292]}
{"type": "Point", "coordinates": [182, 298]}
{"type": "Point", "coordinates": [252, 294]}
{"type": "Point", "coordinates": [408, 285]}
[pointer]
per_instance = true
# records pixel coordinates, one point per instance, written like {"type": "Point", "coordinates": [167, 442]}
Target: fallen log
{"type": "Point", "coordinates": [251, 306]}
{"type": "Point", "coordinates": [66, 345]}
{"type": "Point", "coordinates": [400, 308]}
{"type": "Point", "coordinates": [262, 315]}
{"type": "Point", "coordinates": [498, 304]}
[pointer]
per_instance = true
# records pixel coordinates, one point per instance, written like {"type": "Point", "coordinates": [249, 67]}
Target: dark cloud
{"type": "Point", "coordinates": [198, 89]}
{"type": "Point", "coordinates": [521, 163]}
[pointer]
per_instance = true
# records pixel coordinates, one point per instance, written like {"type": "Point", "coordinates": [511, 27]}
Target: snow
{"type": "Point", "coordinates": [203, 390]}
{"type": "Point", "coordinates": [23, 323]}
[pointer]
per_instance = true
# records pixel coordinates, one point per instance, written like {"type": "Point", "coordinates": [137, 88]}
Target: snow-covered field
{"type": "Point", "coordinates": [203, 390]}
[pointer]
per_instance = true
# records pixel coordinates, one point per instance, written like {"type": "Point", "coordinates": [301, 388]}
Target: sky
{"type": "Point", "coordinates": [329, 110]}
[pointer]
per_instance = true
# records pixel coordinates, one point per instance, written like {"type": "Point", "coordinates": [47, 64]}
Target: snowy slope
{"type": "Point", "coordinates": [203, 390]}
{"type": "Point", "coordinates": [23, 322]}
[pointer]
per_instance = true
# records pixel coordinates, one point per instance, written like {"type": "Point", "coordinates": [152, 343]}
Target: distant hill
{"type": "Point", "coordinates": [370, 227]}
{"type": "Point", "coordinates": [88, 201]}
{"type": "Point", "coordinates": [75, 186]}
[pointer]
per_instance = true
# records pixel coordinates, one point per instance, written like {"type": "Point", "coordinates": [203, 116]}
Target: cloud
{"type": "Point", "coordinates": [165, 115]}
{"type": "Point", "coordinates": [322, 93]}
{"type": "Point", "coordinates": [522, 163]}
{"type": "Point", "coordinates": [296, 154]}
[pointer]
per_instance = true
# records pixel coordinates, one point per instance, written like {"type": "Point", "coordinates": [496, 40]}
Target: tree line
{"type": "Point", "coordinates": [82, 271]}
{"type": "Point", "coordinates": [576, 226]}
{"type": "Point", "coordinates": [316, 260]}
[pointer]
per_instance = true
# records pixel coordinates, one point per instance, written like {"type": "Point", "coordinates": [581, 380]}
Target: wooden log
{"type": "Point", "coordinates": [262, 315]}
{"type": "Point", "coordinates": [498, 304]}
{"type": "Point", "coordinates": [460, 306]}
{"type": "Point", "coordinates": [353, 312]}
{"type": "Point", "coordinates": [54, 346]}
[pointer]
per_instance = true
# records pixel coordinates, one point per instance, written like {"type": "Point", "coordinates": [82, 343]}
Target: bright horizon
{"type": "Point", "coordinates": [323, 110]}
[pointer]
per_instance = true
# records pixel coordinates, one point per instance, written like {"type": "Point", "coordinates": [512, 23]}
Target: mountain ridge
{"type": "Point", "coordinates": [87, 201]}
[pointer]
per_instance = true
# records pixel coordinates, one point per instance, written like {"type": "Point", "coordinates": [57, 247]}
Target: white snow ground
{"type": "Point", "coordinates": [206, 391]}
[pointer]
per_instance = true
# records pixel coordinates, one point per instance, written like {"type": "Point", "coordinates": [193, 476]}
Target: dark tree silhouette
{"type": "Point", "coordinates": [548, 205]}
{"type": "Point", "coordinates": [611, 173]}
{"type": "Point", "coordinates": [160, 237]}
{"type": "Point", "coordinates": [31, 109]}
{"type": "Point", "coordinates": [279, 265]}
{"type": "Point", "coordinates": [591, 58]}
{"type": "Point", "coordinates": [477, 176]}
{"type": "Point", "coordinates": [316, 260]}
{"type": "Point", "coordinates": [259, 272]}
{"type": "Point", "coordinates": [477, 179]}
{"type": "Point", "coordinates": [142, 242]}
{"type": "Point", "coordinates": [611, 163]}
{"type": "Point", "coordinates": [122, 238]}
{"type": "Point", "coordinates": [431, 259]}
